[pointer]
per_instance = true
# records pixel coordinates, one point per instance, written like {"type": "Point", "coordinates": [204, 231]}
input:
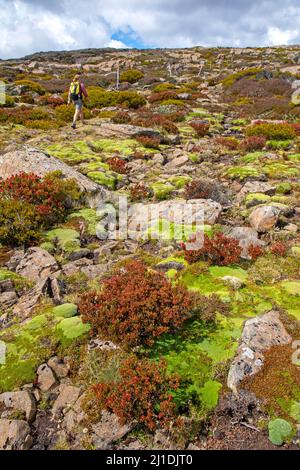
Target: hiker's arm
{"type": "Point", "coordinates": [69, 98]}
{"type": "Point", "coordinates": [83, 89]}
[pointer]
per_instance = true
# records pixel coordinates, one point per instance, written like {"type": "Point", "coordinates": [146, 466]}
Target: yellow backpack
{"type": "Point", "coordinates": [75, 90]}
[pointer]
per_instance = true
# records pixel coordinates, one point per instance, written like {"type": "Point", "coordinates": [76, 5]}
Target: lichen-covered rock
{"type": "Point", "coordinates": [108, 431]}
{"type": "Point", "coordinates": [264, 218]}
{"type": "Point", "coordinates": [46, 378]}
{"type": "Point", "coordinates": [259, 335]}
{"type": "Point", "coordinates": [68, 395]}
{"type": "Point", "coordinates": [27, 302]}
{"type": "Point", "coordinates": [32, 160]}
{"type": "Point", "coordinates": [14, 435]}
{"type": "Point", "coordinates": [255, 187]}
{"type": "Point", "coordinates": [37, 264]}
{"type": "Point", "coordinates": [21, 401]}
{"type": "Point", "coordinates": [59, 367]}
{"type": "Point", "coordinates": [246, 237]}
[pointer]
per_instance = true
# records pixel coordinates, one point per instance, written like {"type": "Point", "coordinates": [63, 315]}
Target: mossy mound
{"type": "Point", "coordinates": [32, 343]}
{"type": "Point", "coordinates": [65, 310]}
{"type": "Point", "coordinates": [90, 217]}
{"type": "Point", "coordinates": [162, 190]}
{"type": "Point", "coordinates": [67, 239]}
{"type": "Point", "coordinates": [107, 179]}
{"type": "Point", "coordinates": [70, 329]}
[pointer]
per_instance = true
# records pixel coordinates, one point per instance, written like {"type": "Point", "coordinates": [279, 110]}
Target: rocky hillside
{"type": "Point", "coordinates": [140, 341]}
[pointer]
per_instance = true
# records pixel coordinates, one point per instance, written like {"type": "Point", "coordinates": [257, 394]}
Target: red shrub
{"type": "Point", "coordinates": [229, 142]}
{"type": "Point", "coordinates": [279, 249]}
{"type": "Point", "coordinates": [148, 119]}
{"type": "Point", "coordinates": [150, 142]}
{"type": "Point", "coordinates": [138, 192]}
{"type": "Point", "coordinates": [48, 194]}
{"type": "Point", "coordinates": [121, 118]}
{"type": "Point", "coordinates": [118, 165]}
{"type": "Point", "coordinates": [297, 128]}
{"type": "Point", "coordinates": [219, 249]}
{"type": "Point", "coordinates": [255, 252]}
{"type": "Point", "coordinates": [143, 393]}
{"type": "Point", "coordinates": [161, 96]}
{"type": "Point", "coordinates": [136, 305]}
{"type": "Point", "coordinates": [253, 143]}
{"type": "Point", "coordinates": [198, 189]}
{"type": "Point", "coordinates": [201, 128]}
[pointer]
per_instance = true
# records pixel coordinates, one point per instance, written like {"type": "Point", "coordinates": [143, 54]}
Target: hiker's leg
{"type": "Point", "coordinates": [81, 116]}
{"type": "Point", "coordinates": [76, 114]}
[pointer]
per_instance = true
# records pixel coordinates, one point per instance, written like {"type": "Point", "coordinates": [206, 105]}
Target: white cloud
{"type": "Point", "coordinates": [278, 36]}
{"type": "Point", "coordinates": [32, 25]}
{"type": "Point", "coordinates": [116, 44]}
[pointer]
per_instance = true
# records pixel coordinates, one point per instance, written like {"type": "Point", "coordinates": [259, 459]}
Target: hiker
{"type": "Point", "coordinates": [76, 92]}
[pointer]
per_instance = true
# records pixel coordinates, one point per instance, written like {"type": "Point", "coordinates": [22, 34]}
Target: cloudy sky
{"type": "Point", "coordinates": [28, 26]}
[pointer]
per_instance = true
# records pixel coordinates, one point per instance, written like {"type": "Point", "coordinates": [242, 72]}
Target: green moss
{"type": "Point", "coordinates": [27, 347]}
{"type": "Point", "coordinates": [295, 411]}
{"type": "Point", "coordinates": [204, 283]}
{"type": "Point", "coordinates": [48, 246]}
{"type": "Point", "coordinates": [90, 216]}
{"type": "Point", "coordinates": [294, 157]}
{"type": "Point", "coordinates": [283, 188]}
{"type": "Point", "coordinates": [221, 345]}
{"type": "Point", "coordinates": [257, 198]}
{"type": "Point", "coordinates": [65, 310]}
{"type": "Point", "coordinates": [279, 431]}
{"type": "Point", "coordinates": [165, 230]}
{"type": "Point", "coordinates": [281, 170]}
{"type": "Point", "coordinates": [104, 179]}
{"type": "Point", "coordinates": [292, 287]}
{"type": "Point", "coordinates": [72, 153]}
{"type": "Point", "coordinates": [18, 281]}
{"type": "Point", "coordinates": [67, 239]}
{"type": "Point", "coordinates": [209, 394]}
{"type": "Point", "coordinates": [222, 271]}
{"type": "Point", "coordinates": [71, 329]}
{"type": "Point", "coordinates": [295, 251]}
{"type": "Point", "coordinates": [179, 181]}
{"type": "Point", "coordinates": [279, 144]}
{"type": "Point", "coordinates": [162, 190]}
{"type": "Point", "coordinates": [251, 157]}
{"type": "Point", "coordinates": [242, 172]}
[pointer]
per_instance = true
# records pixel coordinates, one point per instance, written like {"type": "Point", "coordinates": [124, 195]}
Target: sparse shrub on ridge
{"type": "Point", "coordinates": [162, 87]}
{"type": "Point", "coordinates": [23, 115]}
{"type": "Point", "coordinates": [131, 76]}
{"type": "Point", "coordinates": [135, 306]}
{"type": "Point", "coordinates": [29, 85]}
{"type": "Point", "coordinates": [9, 102]}
{"type": "Point", "coordinates": [100, 98]}
{"type": "Point", "coordinates": [65, 113]}
{"type": "Point", "coordinates": [272, 130]}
